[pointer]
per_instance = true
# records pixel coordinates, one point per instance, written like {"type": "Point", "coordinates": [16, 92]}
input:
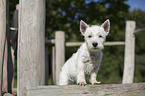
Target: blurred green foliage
{"type": "Point", "coordinates": [66, 14]}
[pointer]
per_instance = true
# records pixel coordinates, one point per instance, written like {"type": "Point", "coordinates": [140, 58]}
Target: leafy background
{"type": "Point", "coordinates": [66, 14]}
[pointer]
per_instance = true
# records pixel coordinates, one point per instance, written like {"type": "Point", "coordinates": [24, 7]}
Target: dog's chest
{"type": "Point", "coordinates": [90, 63]}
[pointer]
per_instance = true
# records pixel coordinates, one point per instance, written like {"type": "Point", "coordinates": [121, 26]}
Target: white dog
{"type": "Point", "coordinates": [86, 61]}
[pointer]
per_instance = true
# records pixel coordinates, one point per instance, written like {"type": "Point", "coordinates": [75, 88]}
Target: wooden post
{"type": "Point", "coordinates": [5, 71]}
{"type": "Point", "coordinates": [60, 52]}
{"type": "Point", "coordinates": [46, 65]}
{"type": "Point", "coordinates": [129, 53]}
{"type": "Point", "coordinates": [53, 65]}
{"type": "Point", "coordinates": [31, 45]}
{"type": "Point", "coordinates": [2, 38]}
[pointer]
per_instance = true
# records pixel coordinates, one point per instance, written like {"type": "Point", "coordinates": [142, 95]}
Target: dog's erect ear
{"type": "Point", "coordinates": [106, 26]}
{"type": "Point", "coordinates": [83, 27]}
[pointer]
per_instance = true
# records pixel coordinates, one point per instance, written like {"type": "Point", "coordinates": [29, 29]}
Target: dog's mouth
{"type": "Point", "coordinates": [95, 49]}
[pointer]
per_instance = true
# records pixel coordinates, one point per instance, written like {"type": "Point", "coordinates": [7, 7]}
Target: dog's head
{"type": "Point", "coordinates": [95, 35]}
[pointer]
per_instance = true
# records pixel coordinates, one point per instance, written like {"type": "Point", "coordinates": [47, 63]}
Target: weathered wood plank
{"type": "Point", "coordinates": [136, 89]}
{"type": "Point", "coordinates": [2, 38]}
{"type": "Point", "coordinates": [31, 44]}
{"type": "Point", "coordinates": [60, 52]}
{"type": "Point", "coordinates": [5, 73]}
{"type": "Point", "coordinates": [129, 53]}
{"type": "Point", "coordinates": [46, 65]}
{"type": "Point", "coordinates": [73, 44]}
{"type": "Point", "coordinates": [52, 41]}
{"type": "Point", "coordinates": [114, 43]}
{"type": "Point", "coordinates": [53, 65]}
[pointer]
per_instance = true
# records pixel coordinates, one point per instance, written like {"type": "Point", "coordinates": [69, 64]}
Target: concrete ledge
{"type": "Point", "coordinates": [135, 89]}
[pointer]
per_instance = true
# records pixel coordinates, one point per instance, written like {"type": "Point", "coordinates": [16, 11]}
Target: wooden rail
{"type": "Point", "coordinates": [76, 44]}
{"type": "Point", "coordinates": [52, 41]}
{"type": "Point", "coordinates": [139, 30]}
{"type": "Point", "coordinates": [72, 44]}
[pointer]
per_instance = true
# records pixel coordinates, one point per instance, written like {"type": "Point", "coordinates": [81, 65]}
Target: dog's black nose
{"type": "Point", "coordinates": [95, 44]}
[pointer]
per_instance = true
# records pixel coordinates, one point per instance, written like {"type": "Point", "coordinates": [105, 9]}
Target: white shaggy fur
{"type": "Point", "coordinates": [86, 61]}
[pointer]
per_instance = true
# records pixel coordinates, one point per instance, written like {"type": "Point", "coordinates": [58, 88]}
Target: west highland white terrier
{"type": "Point", "coordinates": [86, 61]}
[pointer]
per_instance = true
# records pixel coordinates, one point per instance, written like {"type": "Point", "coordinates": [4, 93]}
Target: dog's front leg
{"type": "Point", "coordinates": [81, 78]}
{"type": "Point", "coordinates": [93, 79]}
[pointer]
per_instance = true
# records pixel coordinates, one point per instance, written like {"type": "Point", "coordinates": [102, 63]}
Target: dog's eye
{"type": "Point", "coordinates": [90, 36]}
{"type": "Point", "coordinates": [100, 36]}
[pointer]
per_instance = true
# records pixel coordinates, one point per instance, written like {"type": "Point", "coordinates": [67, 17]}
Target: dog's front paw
{"type": "Point", "coordinates": [81, 82]}
{"type": "Point", "coordinates": [95, 82]}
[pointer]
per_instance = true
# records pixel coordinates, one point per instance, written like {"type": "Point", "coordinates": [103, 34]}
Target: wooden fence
{"type": "Point", "coordinates": [31, 49]}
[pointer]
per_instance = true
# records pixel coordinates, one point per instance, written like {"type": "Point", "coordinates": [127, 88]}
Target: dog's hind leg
{"type": "Point", "coordinates": [63, 78]}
